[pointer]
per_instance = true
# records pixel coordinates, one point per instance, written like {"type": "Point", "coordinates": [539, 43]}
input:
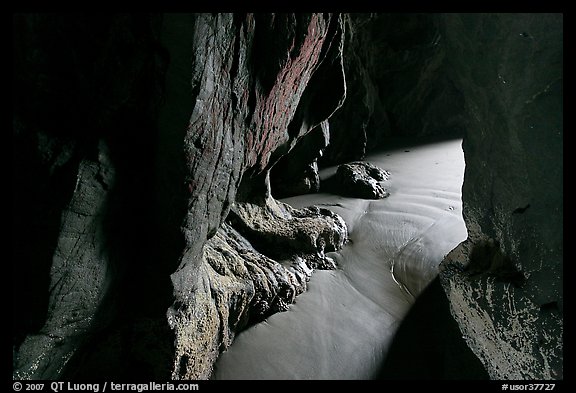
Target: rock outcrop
{"type": "Point", "coordinates": [357, 179]}
{"type": "Point", "coordinates": [242, 282]}
{"type": "Point", "coordinates": [504, 283]}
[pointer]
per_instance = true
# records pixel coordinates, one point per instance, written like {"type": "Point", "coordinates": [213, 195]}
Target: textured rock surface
{"type": "Point", "coordinates": [414, 82]}
{"type": "Point", "coordinates": [78, 277]}
{"type": "Point", "coordinates": [256, 96]}
{"type": "Point", "coordinates": [129, 191]}
{"type": "Point", "coordinates": [359, 180]}
{"type": "Point", "coordinates": [241, 284]}
{"type": "Point", "coordinates": [284, 233]}
{"type": "Point", "coordinates": [85, 95]}
{"type": "Point", "coordinates": [362, 122]}
{"type": "Point", "coordinates": [505, 282]}
{"type": "Point", "coordinates": [238, 286]}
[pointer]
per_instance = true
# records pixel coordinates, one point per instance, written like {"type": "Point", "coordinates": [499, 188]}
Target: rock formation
{"type": "Point", "coordinates": [256, 97]}
{"type": "Point", "coordinates": [86, 94]}
{"type": "Point", "coordinates": [505, 282]}
{"type": "Point", "coordinates": [360, 180]}
{"type": "Point", "coordinates": [145, 146]}
{"type": "Point", "coordinates": [496, 79]}
{"type": "Point", "coordinates": [257, 84]}
{"type": "Point", "coordinates": [362, 122]}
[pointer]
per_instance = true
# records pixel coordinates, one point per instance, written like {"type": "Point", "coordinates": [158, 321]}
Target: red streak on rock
{"type": "Point", "coordinates": [275, 111]}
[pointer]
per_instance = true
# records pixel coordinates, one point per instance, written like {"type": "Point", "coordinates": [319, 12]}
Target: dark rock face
{"type": "Point", "coordinates": [85, 99]}
{"type": "Point", "coordinates": [397, 84]}
{"type": "Point", "coordinates": [139, 194]}
{"type": "Point", "coordinates": [362, 121]}
{"type": "Point", "coordinates": [415, 84]}
{"type": "Point", "coordinates": [297, 172]}
{"type": "Point", "coordinates": [79, 272]}
{"type": "Point", "coordinates": [508, 301]}
{"type": "Point", "coordinates": [358, 180]}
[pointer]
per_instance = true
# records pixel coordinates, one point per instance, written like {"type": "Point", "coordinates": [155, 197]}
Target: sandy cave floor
{"type": "Point", "coordinates": [342, 327]}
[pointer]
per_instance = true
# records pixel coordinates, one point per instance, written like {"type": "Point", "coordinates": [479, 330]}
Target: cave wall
{"type": "Point", "coordinates": [497, 80]}
{"type": "Point", "coordinates": [260, 80]}
{"type": "Point", "coordinates": [86, 94]}
{"type": "Point", "coordinates": [505, 282]}
{"type": "Point", "coordinates": [142, 152]}
{"type": "Point", "coordinates": [135, 138]}
{"type": "Point", "coordinates": [398, 84]}
{"type": "Point", "coordinates": [362, 121]}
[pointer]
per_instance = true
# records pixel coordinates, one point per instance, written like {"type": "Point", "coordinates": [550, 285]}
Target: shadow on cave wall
{"type": "Point", "coordinates": [82, 81]}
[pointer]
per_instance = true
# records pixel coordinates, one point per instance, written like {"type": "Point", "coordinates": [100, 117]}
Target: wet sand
{"type": "Point", "coordinates": [342, 327]}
